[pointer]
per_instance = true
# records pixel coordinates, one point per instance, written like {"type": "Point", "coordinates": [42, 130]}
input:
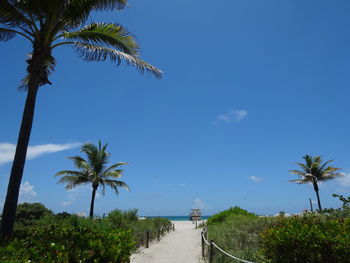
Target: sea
{"type": "Point", "coordinates": [177, 218]}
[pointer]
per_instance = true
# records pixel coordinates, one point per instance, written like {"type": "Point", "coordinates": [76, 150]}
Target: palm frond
{"type": "Point", "coordinates": [79, 162]}
{"type": "Point", "coordinates": [96, 53]}
{"type": "Point", "coordinates": [114, 166]}
{"type": "Point", "coordinates": [303, 166]}
{"type": "Point", "coordinates": [73, 181]}
{"type": "Point", "coordinates": [113, 174]}
{"type": "Point", "coordinates": [106, 34]}
{"type": "Point", "coordinates": [297, 172]}
{"type": "Point", "coordinates": [299, 181]}
{"type": "Point", "coordinates": [324, 165]}
{"type": "Point", "coordinates": [6, 34]}
{"type": "Point", "coordinates": [331, 176]}
{"type": "Point", "coordinates": [70, 173]}
{"type": "Point", "coordinates": [330, 169]}
{"type": "Point", "coordinates": [40, 9]}
{"type": "Point", "coordinates": [97, 156]}
{"type": "Point", "coordinates": [110, 4]}
{"type": "Point", "coordinates": [77, 12]}
{"type": "Point", "coordinates": [114, 184]}
{"type": "Point", "coordinates": [11, 16]}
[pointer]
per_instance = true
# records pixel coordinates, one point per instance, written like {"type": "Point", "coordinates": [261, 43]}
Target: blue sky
{"type": "Point", "coordinates": [249, 87]}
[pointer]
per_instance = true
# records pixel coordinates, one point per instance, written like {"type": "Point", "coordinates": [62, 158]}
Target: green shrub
{"type": "Point", "coordinates": [27, 212]}
{"type": "Point", "coordinates": [310, 238]}
{"type": "Point", "coordinates": [238, 235]}
{"type": "Point", "coordinates": [342, 212]}
{"type": "Point", "coordinates": [65, 243]}
{"type": "Point", "coordinates": [224, 215]}
{"type": "Point", "coordinates": [150, 224]}
{"type": "Point", "coordinates": [122, 219]}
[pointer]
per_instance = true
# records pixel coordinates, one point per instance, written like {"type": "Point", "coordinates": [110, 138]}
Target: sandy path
{"type": "Point", "coordinates": [181, 246]}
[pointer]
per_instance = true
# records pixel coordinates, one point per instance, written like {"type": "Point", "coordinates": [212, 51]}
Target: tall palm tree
{"type": "Point", "coordinates": [93, 171]}
{"type": "Point", "coordinates": [47, 25]}
{"type": "Point", "coordinates": [313, 171]}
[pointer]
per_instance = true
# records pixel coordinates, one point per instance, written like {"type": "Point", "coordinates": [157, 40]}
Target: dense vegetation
{"type": "Point", "coordinates": [236, 231]}
{"type": "Point", "coordinates": [308, 238]}
{"type": "Point", "coordinates": [312, 237]}
{"type": "Point", "coordinates": [62, 238]}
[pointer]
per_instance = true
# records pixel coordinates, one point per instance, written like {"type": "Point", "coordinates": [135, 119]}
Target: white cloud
{"type": "Point", "coordinates": [7, 150]}
{"type": "Point", "coordinates": [78, 193]}
{"type": "Point", "coordinates": [82, 214]}
{"type": "Point", "coordinates": [67, 203]}
{"type": "Point", "coordinates": [234, 116]}
{"type": "Point", "coordinates": [198, 203]}
{"type": "Point", "coordinates": [26, 192]}
{"type": "Point", "coordinates": [344, 181]}
{"type": "Point", "coordinates": [255, 179]}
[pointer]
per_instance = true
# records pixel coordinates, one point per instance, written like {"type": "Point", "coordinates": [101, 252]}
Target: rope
{"type": "Point", "coordinates": [206, 242]}
{"type": "Point", "coordinates": [229, 255]}
{"type": "Point", "coordinates": [222, 251]}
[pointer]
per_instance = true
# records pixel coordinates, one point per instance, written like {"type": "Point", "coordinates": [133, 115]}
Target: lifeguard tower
{"type": "Point", "coordinates": [196, 214]}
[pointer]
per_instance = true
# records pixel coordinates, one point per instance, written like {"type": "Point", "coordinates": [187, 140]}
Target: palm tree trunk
{"type": "Point", "coordinates": [319, 201]}
{"type": "Point", "coordinates": [10, 206]}
{"type": "Point", "coordinates": [318, 196]}
{"type": "Point", "coordinates": [94, 188]}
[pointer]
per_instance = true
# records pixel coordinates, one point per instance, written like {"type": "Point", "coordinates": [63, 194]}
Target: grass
{"type": "Point", "coordinates": [239, 235]}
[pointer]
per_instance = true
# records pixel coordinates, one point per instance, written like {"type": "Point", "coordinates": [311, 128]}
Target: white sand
{"type": "Point", "coordinates": [181, 246]}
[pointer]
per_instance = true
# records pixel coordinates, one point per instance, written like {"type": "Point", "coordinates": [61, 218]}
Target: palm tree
{"type": "Point", "coordinates": [93, 171]}
{"type": "Point", "coordinates": [47, 25]}
{"type": "Point", "coordinates": [313, 171]}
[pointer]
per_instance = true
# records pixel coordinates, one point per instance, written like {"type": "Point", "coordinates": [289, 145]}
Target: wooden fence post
{"type": "Point", "coordinates": [211, 251]}
{"type": "Point", "coordinates": [158, 234]}
{"type": "Point", "coordinates": [173, 226]}
{"type": "Point", "coordinates": [147, 239]}
{"type": "Point", "coordinates": [202, 238]}
{"type": "Point", "coordinates": [196, 223]}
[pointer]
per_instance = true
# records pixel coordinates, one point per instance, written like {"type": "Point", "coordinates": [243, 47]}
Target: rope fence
{"type": "Point", "coordinates": [144, 238]}
{"type": "Point", "coordinates": [209, 249]}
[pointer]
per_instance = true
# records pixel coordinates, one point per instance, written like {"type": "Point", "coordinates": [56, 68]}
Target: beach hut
{"type": "Point", "coordinates": [196, 214]}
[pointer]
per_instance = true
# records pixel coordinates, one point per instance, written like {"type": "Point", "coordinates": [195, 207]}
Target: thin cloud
{"type": "Point", "coordinates": [67, 203]}
{"type": "Point", "coordinates": [255, 179]}
{"type": "Point", "coordinates": [198, 203]}
{"type": "Point", "coordinates": [26, 192]}
{"type": "Point", "coordinates": [78, 193]}
{"type": "Point", "coordinates": [234, 116]}
{"type": "Point", "coordinates": [344, 181]}
{"type": "Point", "coordinates": [81, 214]}
{"type": "Point", "coordinates": [7, 150]}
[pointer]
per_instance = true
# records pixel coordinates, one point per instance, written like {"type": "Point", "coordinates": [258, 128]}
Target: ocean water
{"type": "Point", "coordinates": [177, 218]}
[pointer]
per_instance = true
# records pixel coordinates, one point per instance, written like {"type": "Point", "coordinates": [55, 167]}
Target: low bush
{"type": "Point", "coordinates": [226, 214]}
{"type": "Point", "coordinates": [237, 232]}
{"type": "Point", "coordinates": [122, 219]}
{"type": "Point", "coordinates": [240, 236]}
{"type": "Point", "coordinates": [28, 212]}
{"type": "Point", "coordinates": [43, 237]}
{"type": "Point", "coordinates": [152, 225]}
{"type": "Point", "coordinates": [309, 238]}
{"type": "Point", "coordinates": [66, 243]}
